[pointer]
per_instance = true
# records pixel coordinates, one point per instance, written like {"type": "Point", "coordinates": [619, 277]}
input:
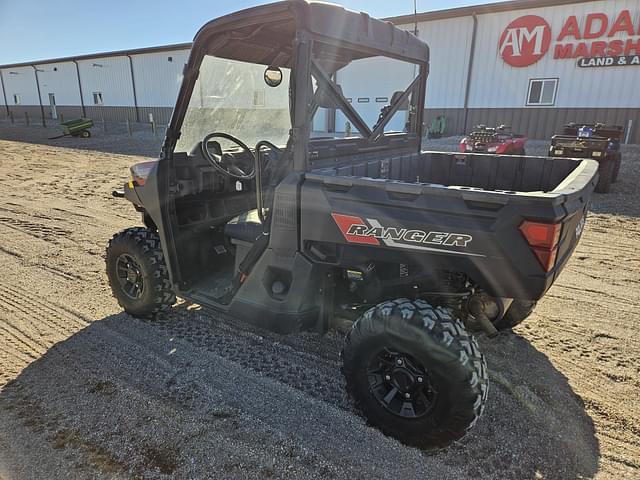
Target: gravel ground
{"type": "Point", "coordinates": [87, 391]}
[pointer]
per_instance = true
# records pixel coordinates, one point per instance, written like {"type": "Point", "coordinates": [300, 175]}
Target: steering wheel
{"type": "Point", "coordinates": [227, 163]}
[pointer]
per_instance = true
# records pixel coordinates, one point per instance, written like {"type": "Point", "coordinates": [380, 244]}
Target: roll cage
{"type": "Point", "coordinates": [314, 40]}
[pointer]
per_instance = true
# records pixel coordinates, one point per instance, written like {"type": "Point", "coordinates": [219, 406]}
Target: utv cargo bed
{"type": "Point", "coordinates": [484, 198]}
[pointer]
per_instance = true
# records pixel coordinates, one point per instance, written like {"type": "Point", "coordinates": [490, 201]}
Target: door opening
{"type": "Point", "coordinates": [52, 104]}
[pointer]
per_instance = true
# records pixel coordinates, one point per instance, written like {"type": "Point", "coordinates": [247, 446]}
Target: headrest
{"type": "Point", "coordinates": [325, 99]}
{"type": "Point", "coordinates": [396, 95]}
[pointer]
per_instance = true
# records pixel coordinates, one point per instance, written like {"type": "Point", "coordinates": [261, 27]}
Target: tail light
{"type": "Point", "coordinates": [140, 172]}
{"type": "Point", "coordinates": [543, 239]}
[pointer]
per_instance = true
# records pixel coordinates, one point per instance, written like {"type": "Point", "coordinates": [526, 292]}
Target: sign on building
{"type": "Point", "coordinates": [597, 40]}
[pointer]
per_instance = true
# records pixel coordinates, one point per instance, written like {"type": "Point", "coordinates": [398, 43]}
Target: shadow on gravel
{"type": "Point", "coordinates": [195, 396]}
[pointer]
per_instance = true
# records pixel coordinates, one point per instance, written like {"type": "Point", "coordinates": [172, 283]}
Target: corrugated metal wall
{"type": "Point", "coordinates": [158, 78]}
{"type": "Point", "coordinates": [497, 91]}
{"type": "Point", "coordinates": [110, 76]}
{"type": "Point", "coordinates": [21, 81]}
{"type": "Point", "coordinates": [449, 43]}
{"type": "Point", "coordinates": [61, 80]}
{"type": "Point", "coordinates": [495, 84]}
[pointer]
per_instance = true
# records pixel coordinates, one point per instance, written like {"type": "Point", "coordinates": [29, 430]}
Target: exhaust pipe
{"type": "Point", "coordinates": [479, 305]}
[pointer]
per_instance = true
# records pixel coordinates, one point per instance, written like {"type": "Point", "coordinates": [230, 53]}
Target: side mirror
{"type": "Point", "coordinates": [273, 76]}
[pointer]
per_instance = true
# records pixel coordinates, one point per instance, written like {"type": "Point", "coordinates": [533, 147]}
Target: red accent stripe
{"type": "Point", "coordinates": [344, 222]}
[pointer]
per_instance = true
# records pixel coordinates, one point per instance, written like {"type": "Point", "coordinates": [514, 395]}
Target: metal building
{"type": "Point", "coordinates": [532, 64]}
{"type": "Point", "coordinates": [112, 86]}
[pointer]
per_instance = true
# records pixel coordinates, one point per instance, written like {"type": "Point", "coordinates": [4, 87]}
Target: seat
{"type": "Point", "coordinates": [246, 227]}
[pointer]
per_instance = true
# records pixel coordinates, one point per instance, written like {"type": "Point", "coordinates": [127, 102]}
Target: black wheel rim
{"type": "Point", "coordinates": [401, 384]}
{"type": "Point", "coordinates": [129, 276]}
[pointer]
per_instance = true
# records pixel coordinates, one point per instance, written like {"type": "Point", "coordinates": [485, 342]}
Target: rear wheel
{"type": "Point", "coordinates": [616, 167]}
{"type": "Point", "coordinates": [606, 176]}
{"type": "Point", "coordinates": [415, 373]}
{"type": "Point", "coordinates": [85, 133]}
{"type": "Point", "coordinates": [137, 273]}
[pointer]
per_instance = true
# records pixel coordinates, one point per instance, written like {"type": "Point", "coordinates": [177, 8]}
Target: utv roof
{"type": "Point", "coordinates": [253, 34]}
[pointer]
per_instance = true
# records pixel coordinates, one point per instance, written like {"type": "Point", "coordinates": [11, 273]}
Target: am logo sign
{"type": "Point", "coordinates": [525, 41]}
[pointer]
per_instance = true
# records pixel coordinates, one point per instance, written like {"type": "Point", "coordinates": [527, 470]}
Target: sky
{"type": "Point", "coordinates": [43, 29]}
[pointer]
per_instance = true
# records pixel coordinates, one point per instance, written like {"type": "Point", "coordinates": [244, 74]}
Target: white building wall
{"type": "Point", "coordinates": [111, 76]}
{"type": "Point", "coordinates": [495, 84]}
{"type": "Point", "coordinates": [21, 81]}
{"type": "Point", "coordinates": [449, 43]}
{"type": "Point", "coordinates": [158, 79]}
{"type": "Point", "coordinates": [61, 80]}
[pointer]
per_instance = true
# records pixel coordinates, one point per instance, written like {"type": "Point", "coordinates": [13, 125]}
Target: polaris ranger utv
{"type": "Point", "coordinates": [258, 207]}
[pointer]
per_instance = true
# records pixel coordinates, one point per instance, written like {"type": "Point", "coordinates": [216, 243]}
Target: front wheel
{"type": "Point", "coordinates": [415, 372]}
{"type": "Point", "coordinates": [137, 272]}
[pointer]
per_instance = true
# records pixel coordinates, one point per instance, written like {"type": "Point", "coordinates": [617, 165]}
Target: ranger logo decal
{"type": "Point", "coordinates": [371, 232]}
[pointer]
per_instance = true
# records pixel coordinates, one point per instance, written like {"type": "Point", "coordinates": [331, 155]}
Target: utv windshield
{"type": "Point", "coordinates": [233, 97]}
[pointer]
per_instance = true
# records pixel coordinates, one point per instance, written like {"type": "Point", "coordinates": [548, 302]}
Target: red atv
{"type": "Point", "coordinates": [499, 140]}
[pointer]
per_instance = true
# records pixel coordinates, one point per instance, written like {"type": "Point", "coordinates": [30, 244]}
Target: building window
{"type": "Point", "coordinates": [363, 99]}
{"type": "Point", "coordinates": [382, 99]}
{"type": "Point", "coordinates": [97, 98]}
{"type": "Point", "coordinates": [170, 59]}
{"type": "Point", "coordinates": [542, 91]}
{"type": "Point", "coordinates": [17, 99]}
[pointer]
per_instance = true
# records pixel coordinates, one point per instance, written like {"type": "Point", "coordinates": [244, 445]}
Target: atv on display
{"type": "Point", "coordinates": [259, 208]}
{"type": "Point", "coordinates": [499, 140]}
{"type": "Point", "coordinates": [598, 141]}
